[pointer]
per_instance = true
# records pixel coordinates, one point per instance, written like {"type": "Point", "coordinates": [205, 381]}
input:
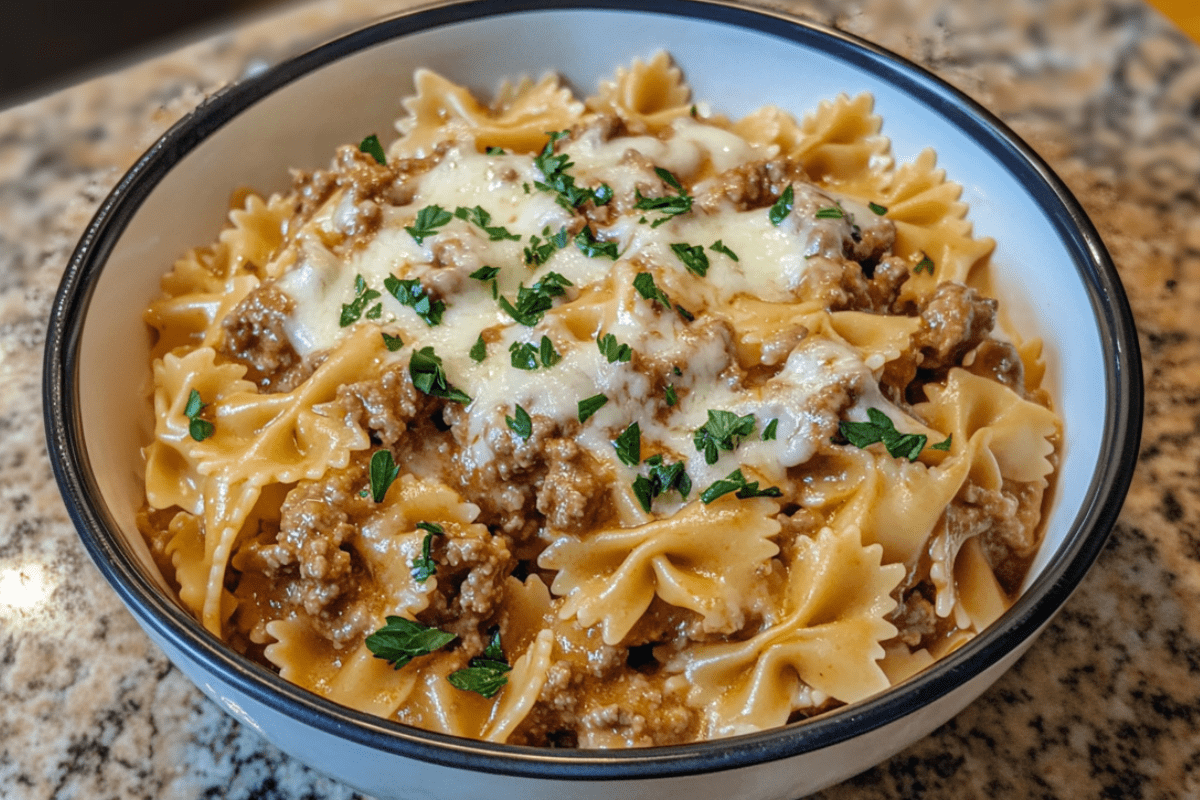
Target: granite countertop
{"type": "Point", "coordinates": [1105, 704]}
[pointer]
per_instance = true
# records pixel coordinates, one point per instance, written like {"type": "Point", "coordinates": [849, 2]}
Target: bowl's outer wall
{"type": "Point", "coordinates": [249, 136]}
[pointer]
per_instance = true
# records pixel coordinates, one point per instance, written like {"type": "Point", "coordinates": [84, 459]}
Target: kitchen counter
{"type": "Point", "coordinates": [1105, 704]}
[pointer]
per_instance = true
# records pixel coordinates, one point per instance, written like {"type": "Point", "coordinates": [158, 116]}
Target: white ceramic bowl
{"type": "Point", "coordinates": [1051, 269]}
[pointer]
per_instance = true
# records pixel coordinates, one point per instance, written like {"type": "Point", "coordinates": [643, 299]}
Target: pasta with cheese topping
{"type": "Point", "coordinates": [609, 422]}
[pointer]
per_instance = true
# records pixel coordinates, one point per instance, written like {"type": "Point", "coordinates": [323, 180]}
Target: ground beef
{"type": "Point", "coordinates": [255, 336]}
{"type": "Point", "coordinates": [914, 617]}
{"type": "Point", "coordinates": [840, 284]}
{"type": "Point", "coordinates": [1012, 543]}
{"type": "Point", "coordinates": [471, 569]}
{"type": "Point", "coordinates": [386, 406]}
{"type": "Point", "coordinates": [956, 320]}
{"type": "Point", "coordinates": [1000, 362]}
{"type": "Point", "coordinates": [756, 184]}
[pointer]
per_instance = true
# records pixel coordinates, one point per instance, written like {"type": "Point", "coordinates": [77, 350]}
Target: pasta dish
{"type": "Point", "coordinates": [596, 423]}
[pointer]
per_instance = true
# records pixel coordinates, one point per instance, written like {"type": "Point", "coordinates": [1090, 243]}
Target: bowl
{"type": "Point", "coordinates": [1050, 267]}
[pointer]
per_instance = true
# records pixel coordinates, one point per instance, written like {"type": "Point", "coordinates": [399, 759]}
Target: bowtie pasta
{"type": "Point", "coordinates": [600, 423]}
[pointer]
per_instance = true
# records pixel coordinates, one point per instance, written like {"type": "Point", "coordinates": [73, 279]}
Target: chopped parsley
{"type": "Point", "coordinates": [352, 311]}
{"type": "Point", "coordinates": [392, 343]}
{"type": "Point", "coordinates": [830, 212]}
{"type": "Point", "coordinates": [429, 219]}
{"type": "Point", "coordinates": [612, 350]}
{"type": "Point", "coordinates": [384, 472]}
{"type": "Point", "coordinates": [692, 256]}
{"type": "Point", "coordinates": [736, 482]}
{"type": "Point", "coordinates": [487, 674]}
{"type": "Point", "coordinates": [647, 288]}
{"type": "Point", "coordinates": [592, 247]}
{"type": "Point", "coordinates": [629, 445]}
{"type": "Point", "coordinates": [198, 429]}
{"type": "Point", "coordinates": [485, 274]}
{"type": "Point", "coordinates": [670, 205]}
{"type": "Point", "coordinates": [662, 478]}
{"type": "Point", "coordinates": [782, 207]}
{"type": "Point", "coordinates": [554, 168]}
{"type": "Point", "coordinates": [375, 312]}
{"type": "Point", "coordinates": [944, 446]}
{"type": "Point", "coordinates": [411, 293]}
{"type": "Point", "coordinates": [520, 423]}
{"type": "Point", "coordinates": [477, 216]}
{"type": "Point", "coordinates": [425, 368]}
{"type": "Point", "coordinates": [535, 301]}
{"type": "Point", "coordinates": [478, 350]}
{"type": "Point", "coordinates": [878, 209]}
{"type": "Point", "coordinates": [672, 398]}
{"type": "Point", "coordinates": [719, 247]}
{"type": "Point", "coordinates": [423, 566]}
{"type": "Point", "coordinates": [723, 431]}
{"type": "Point", "coordinates": [525, 355]}
{"type": "Point", "coordinates": [494, 151]}
{"type": "Point", "coordinates": [880, 428]}
{"type": "Point", "coordinates": [925, 263]}
{"type": "Point", "coordinates": [590, 406]}
{"type": "Point", "coordinates": [401, 640]}
{"type": "Point", "coordinates": [549, 355]}
{"type": "Point", "coordinates": [540, 250]}
{"type": "Point", "coordinates": [373, 148]}
{"type": "Point", "coordinates": [768, 433]}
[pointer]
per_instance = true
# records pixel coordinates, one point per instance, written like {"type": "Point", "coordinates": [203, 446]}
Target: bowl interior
{"type": "Point", "coordinates": [1038, 270]}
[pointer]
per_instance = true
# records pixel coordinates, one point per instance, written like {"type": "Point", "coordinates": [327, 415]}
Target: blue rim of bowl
{"type": "Point", "coordinates": [1088, 532]}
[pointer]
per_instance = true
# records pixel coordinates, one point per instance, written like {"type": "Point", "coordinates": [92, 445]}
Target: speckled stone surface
{"type": "Point", "coordinates": [1105, 704]}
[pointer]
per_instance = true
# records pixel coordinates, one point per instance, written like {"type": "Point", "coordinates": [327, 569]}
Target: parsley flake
{"type": "Point", "coordinates": [198, 429]}
{"type": "Point", "coordinates": [485, 273]}
{"type": "Point", "coordinates": [524, 355]}
{"type": "Point", "coordinates": [719, 247]}
{"type": "Point", "coordinates": [612, 350]}
{"type": "Point", "coordinates": [540, 250]}
{"type": "Point", "coordinates": [401, 640]}
{"type": "Point", "coordinates": [925, 263]}
{"type": "Point", "coordinates": [878, 209]}
{"type": "Point", "coordinates": [647, 288]}
{"type": "Point", "coordinates": [629, 445]}
{"type": "Point", "coordinates": [692, 256]}
{"type": "Point", "coordinates": [520, 422]}
{"type": "Point", "coordinates": [535, 301]}
{"type": "Point", "coordinates": [423, 566]}
{"type": "Point", "coordinates": [483, 219]}
{"type": "Point", "coordinates": [768, 433]}
{"type": "Point", "coordinates": [392, 343]}
{"type": "Point", "coordinates": [425, 368]}
{"type": "Point", "coordinates": [592, 247]}
{"type": "Point", "coordinates": [554, 168]}
{"type": "Point", "coordinates": [663, 478]}
{"type": "Point", "coordinates": [670, 205]}
{"type": "Point", "coordinates": [352, 311]}
{"type": "Point", "coordinates": [494, 151]}
{"type": "Point", "coordinates": [782, 207]}
{"type": "Point", "coordinates": [880, 428]}
{"type": "Point", "coordinates": [487, 674]}
{"type": "Point", "coordinates": [736, 482]}
{"type": "Point", "coordinates": [429, 219]}
{"type": "Point", "coordinates": [411, 293]}
{"type": "Point", "coordinates": [944, 446]}
{"type": "Point", "coordinates": [384, 472]}
{"type": "Point", "coordinates": [672, 398]}
{"type": "Point", "coordinates": [831, 212]}
{"type": "Point", "coordinates": [590, 406]}
{"type": "Point", "coordinates": [549, 355]}
{"type": "Point", "coordinates": [373, 148]}
{"type": "Point", "coordinates": [723, 431]}
{"type": "Point", "coordinates": [478, 350]}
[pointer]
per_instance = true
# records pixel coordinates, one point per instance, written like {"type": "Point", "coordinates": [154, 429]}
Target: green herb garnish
{"type": "Point", "coordinates": [769, 432]}
{"type": "Point", "coordinates": [925, 263]}
{"type": "Point", "coordinates": [485, 273]}
{"type": "Point", "coordinates": [719, 247]}
{"type": "Point", "coordinates": [880, 428]}
{"type": "Point", "coordinates": [549, 355]}
{"type": "Point", "coordinates": [554, 168]}
{"type": "Point", "coordinates": [520, 423]}
{"type": "Point", "coordinates": [524, 355]}
{"type": "Point", "coordinates": [647, 288]}
{"type": "Point", "coordinates": [662, 478]}
{"type": "Point", "coordinates": [535, 301]}
{"type": "Point", "coordinates": [401, 640]}
{"type": "Point", "coordinates": [612, 350]}
{"type": "Point", "coordinates": [782, 206]}
{"type": "Point", "coordinates": [373, 148]}
{"type": "Point", "coordinates": [483, 219]}
{"type": "Point", "coordinates": [423, 566]}
{"type": "Point", "coordinates": [487, 674]}
{"type": "Point", "coordinates": [669, 206]}
{"type": "Point", "coordinates": [629, 445]}
{"type": "Point", "coordinates": [198, 429]}
{"type": "Point", "coordinates": [723, 431]}
{"type": "Point", "coordinates": [494, 151]}
{"type": "Point", "coordinates": [672, 398]}
{"type": "Point", "coordinates": [375, 312]}
{"type": "Point", "coordinates": [362, 295]}
{"type": "Point", "coordinates": [878, 209]}
{"type": "Point", "coordinates": [392, 343]}
{"type": "Point", "coordinates": [831, 212]}
{"type": "Point", "coordinates": [944, 446]}
{"type": "Point", "coordinates": [429, 219]}
{"type": "Point", "coordinates": [425, 368]}
{"type": "Point", "coordinates": [590, 406]}
{"type": "Point", "coordinates": [736, 482]}
{"type": "Point", "coordinates": [478, 350]}
{"type": "Point", "coordinates": [540, 250]}
{"type": "Point", "coordinates": [384, 472]}
{"type": "Point", "coordinates": [692, 256]}
{"type": "Point", "coordinates": [592, 247]}
{"type": "Point", "coordinates": [411, 293]}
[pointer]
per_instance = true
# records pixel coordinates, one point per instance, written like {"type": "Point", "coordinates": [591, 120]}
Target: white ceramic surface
{"type": "Point", "coordinates": [736, 70]}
